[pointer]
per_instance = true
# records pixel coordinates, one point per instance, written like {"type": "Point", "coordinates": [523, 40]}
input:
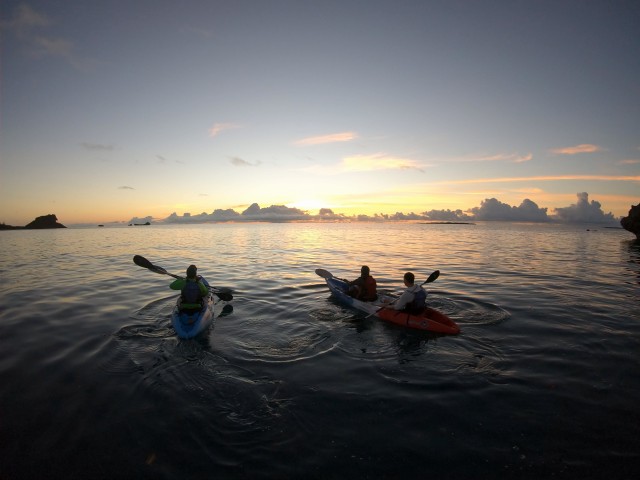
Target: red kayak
{"type": "Point", "coordinates": [430, 319]}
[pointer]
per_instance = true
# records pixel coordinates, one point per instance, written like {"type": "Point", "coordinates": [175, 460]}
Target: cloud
{"type": "Point", "coordinates": [125, 187]}
{"type": "Point", "coordinates": [218, 128]}
{"type": "Point", "coordinates": [274, 213]}
{"type": "Point", "coordinates": [333, 138]}
{"type": "Point", "coordinates": [24, 19]}
{"type": "Point", "coordinates": [493, 209]}
{"type": "Point", "coordinates": [549, 178]}
{"type": "Point", "coordinates": [630, 161]}
{"type": "Point", "coordinates": [26, 24]}
{"type": "Point", "coordinates": [501, 157]}
{"type": "Point", "coordinates": [239, 162]}
{"type": "Point", "coordinates": [162, 160]}
{"type": "Point", "coordinates": [379, 161]}
{"type": "Point", "coordinates": [447, 215]}
{"type": "Point", "coordinates": [582, 148]}
{"type": "Point", "coordinates": [97, 147]}
{"type": "Point", "coordinates": [583, 211]}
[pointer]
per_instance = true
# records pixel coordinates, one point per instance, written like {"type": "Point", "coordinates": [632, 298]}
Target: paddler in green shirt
{"type": "Point", "coordinates": [193, 290]}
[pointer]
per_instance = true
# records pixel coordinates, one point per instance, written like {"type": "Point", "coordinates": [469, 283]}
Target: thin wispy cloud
{"type": "Point", "coordinates": [512, 158]}
{"type": "Point", "coordinates": [162, 160]}
{"type": "Point", "coordinates": [239, 162]}
{"type": "Point", "coordinates": [500, 157]}
{"type": "Point", "coordinates": [380, 161]}
{"type": "Point", "coordinates": [27, 25]}
{"type": "Point", "coordinates": [333, 138]}
{"type": "Point", "coordinates": [549, 178]}
{"type": "Point", "coordinates": [630, 161]}
{"type": "Point", "coordinates": [24, 19]}
{"type": "Point", "coordinates": [125, 187]}
{"type": "Point", "coordinates": [582, 148]}
{"type": "Point", "coordinates": [97, 147]}
{"type": "Point", "coordinates": [218, 128]}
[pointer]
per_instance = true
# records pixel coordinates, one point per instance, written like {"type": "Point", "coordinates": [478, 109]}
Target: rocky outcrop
{"type": "Point", "coordinates": [45, 221]}
{"type": "Point", "coordinates": [632, 221]}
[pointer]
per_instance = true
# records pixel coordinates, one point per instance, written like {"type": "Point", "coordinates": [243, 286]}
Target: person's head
{"type": "Point", "coordinates": [192, 271]}
{"type": "Point", "coordinates": [409, 278]}
{"type": "Point", "coordinates": [364, 271]}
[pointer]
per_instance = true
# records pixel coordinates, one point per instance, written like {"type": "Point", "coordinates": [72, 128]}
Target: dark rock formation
{"type": "Point", "coordinates": [45, 221]}
{"type": "Point", "coordinates": [632, 221]}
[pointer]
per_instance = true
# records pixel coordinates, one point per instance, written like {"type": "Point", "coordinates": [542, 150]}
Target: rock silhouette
{"type": "Point", "coordinates": [632, 221]}
{"type": "Point", "coordinates": [45, 221]}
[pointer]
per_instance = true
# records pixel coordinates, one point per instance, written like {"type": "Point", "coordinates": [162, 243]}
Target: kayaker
{"type": "Point", "coordinates": [364, 287]}
{"type": "Point", "coordinates": [413, 298]}
{"type": "Point", "coordinates": [192, 288]}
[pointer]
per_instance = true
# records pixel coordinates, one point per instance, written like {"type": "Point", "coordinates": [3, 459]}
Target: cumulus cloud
{"type": "Point", "coordinates": [447, 215]}
{"type": "Point", "coordinates": [217, 215]}
{"type": "Point", "coordinates": [332, 138]}
{"type": "Point", "coordinates": [576, 149]}
{"type": "Point", "coordinates": [583, 211]}
{"type": "Point", "coordinates": [218, 128]}
{"type": "Point", "coordinates": [493, 209]}
{"type": "Point", "coordinates": [274, 213]}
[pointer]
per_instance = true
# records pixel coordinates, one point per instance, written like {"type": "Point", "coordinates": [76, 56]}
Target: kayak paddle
{"type": "Point", "coordinates": [431, 278]}
{"type": "Point", "coordinates": [223, 294]}
{"type": "Point", "coordinates": [323, 273]}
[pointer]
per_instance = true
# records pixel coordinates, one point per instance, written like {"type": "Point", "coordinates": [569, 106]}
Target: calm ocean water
{"type": "Point", "coordinates": [542, 382]}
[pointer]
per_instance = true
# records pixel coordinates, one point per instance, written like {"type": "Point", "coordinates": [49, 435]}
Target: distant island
{"type": "Point", "coordinates": [447, 223]}
{"type": "Point", "coordinates": [45, 221]}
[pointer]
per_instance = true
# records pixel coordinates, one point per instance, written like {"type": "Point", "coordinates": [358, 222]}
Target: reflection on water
{"type": "Point", "coordinates": [289, 383]}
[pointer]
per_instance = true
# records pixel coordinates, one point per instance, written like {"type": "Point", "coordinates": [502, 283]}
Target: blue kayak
{"type": "Point", "coordinates": [189, 323]}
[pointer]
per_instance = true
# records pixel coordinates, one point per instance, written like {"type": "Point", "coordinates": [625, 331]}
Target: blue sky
{"type": "Point", "coordinates": [119, 109]}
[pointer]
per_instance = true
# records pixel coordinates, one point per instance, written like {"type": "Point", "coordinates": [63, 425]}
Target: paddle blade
{"type": "Point", "coordinates": [224, 296]}
{"type": "Point", "coordinates": [323, 273]}
{"type": "Point", "coordinates": [226, 310]}
{"type": "Point", "coordinates": [433, 277]}
{"type": "Point", "coordinates": [142, 262]}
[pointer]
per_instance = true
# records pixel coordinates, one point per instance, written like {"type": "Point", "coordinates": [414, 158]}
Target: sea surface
{"type": "Point", "coordinates": [542, 382]}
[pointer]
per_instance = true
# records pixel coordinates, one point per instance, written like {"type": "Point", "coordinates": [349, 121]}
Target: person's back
{"type": "Point", "coordinates": [413, 299]}
{"type": "Point", "coordinates": [364, 287]}
{"type": "Point", "coordinates": [191, 288]}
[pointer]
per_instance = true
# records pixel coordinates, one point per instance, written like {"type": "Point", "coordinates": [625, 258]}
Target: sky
{"type": "Point", "coordinates": [112, 110]}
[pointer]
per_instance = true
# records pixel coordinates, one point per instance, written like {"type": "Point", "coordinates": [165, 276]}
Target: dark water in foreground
{"type": "Point", "coordinates": [542, 382]}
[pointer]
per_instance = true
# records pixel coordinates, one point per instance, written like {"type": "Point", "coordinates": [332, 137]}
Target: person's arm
{"type": "Point", "coordinates": [177, 284]}
{"type": "Point", "coordinates": [203, 289]}
{"type": "Point", "coordinates": [405, 298]}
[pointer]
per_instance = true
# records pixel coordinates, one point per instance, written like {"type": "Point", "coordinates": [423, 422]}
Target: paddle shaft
{"type": "Point", "coordinates": [144, 263]}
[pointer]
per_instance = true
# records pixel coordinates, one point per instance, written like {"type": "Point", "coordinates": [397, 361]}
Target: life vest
{"type": "Point", "coordinates": [191, 292]}
{"type": "Point", "coordinates": [370, 288]}
{"type": "Point", "coordinates": [417, 304]}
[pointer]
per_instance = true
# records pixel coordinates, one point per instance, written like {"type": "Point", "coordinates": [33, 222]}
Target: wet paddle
{"type": "Point", "coordinates": [323, 273]}
{"type": "Point", "coordinates": [431, 278]}
{"type": "Point", "coordinates": [222, 293]}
